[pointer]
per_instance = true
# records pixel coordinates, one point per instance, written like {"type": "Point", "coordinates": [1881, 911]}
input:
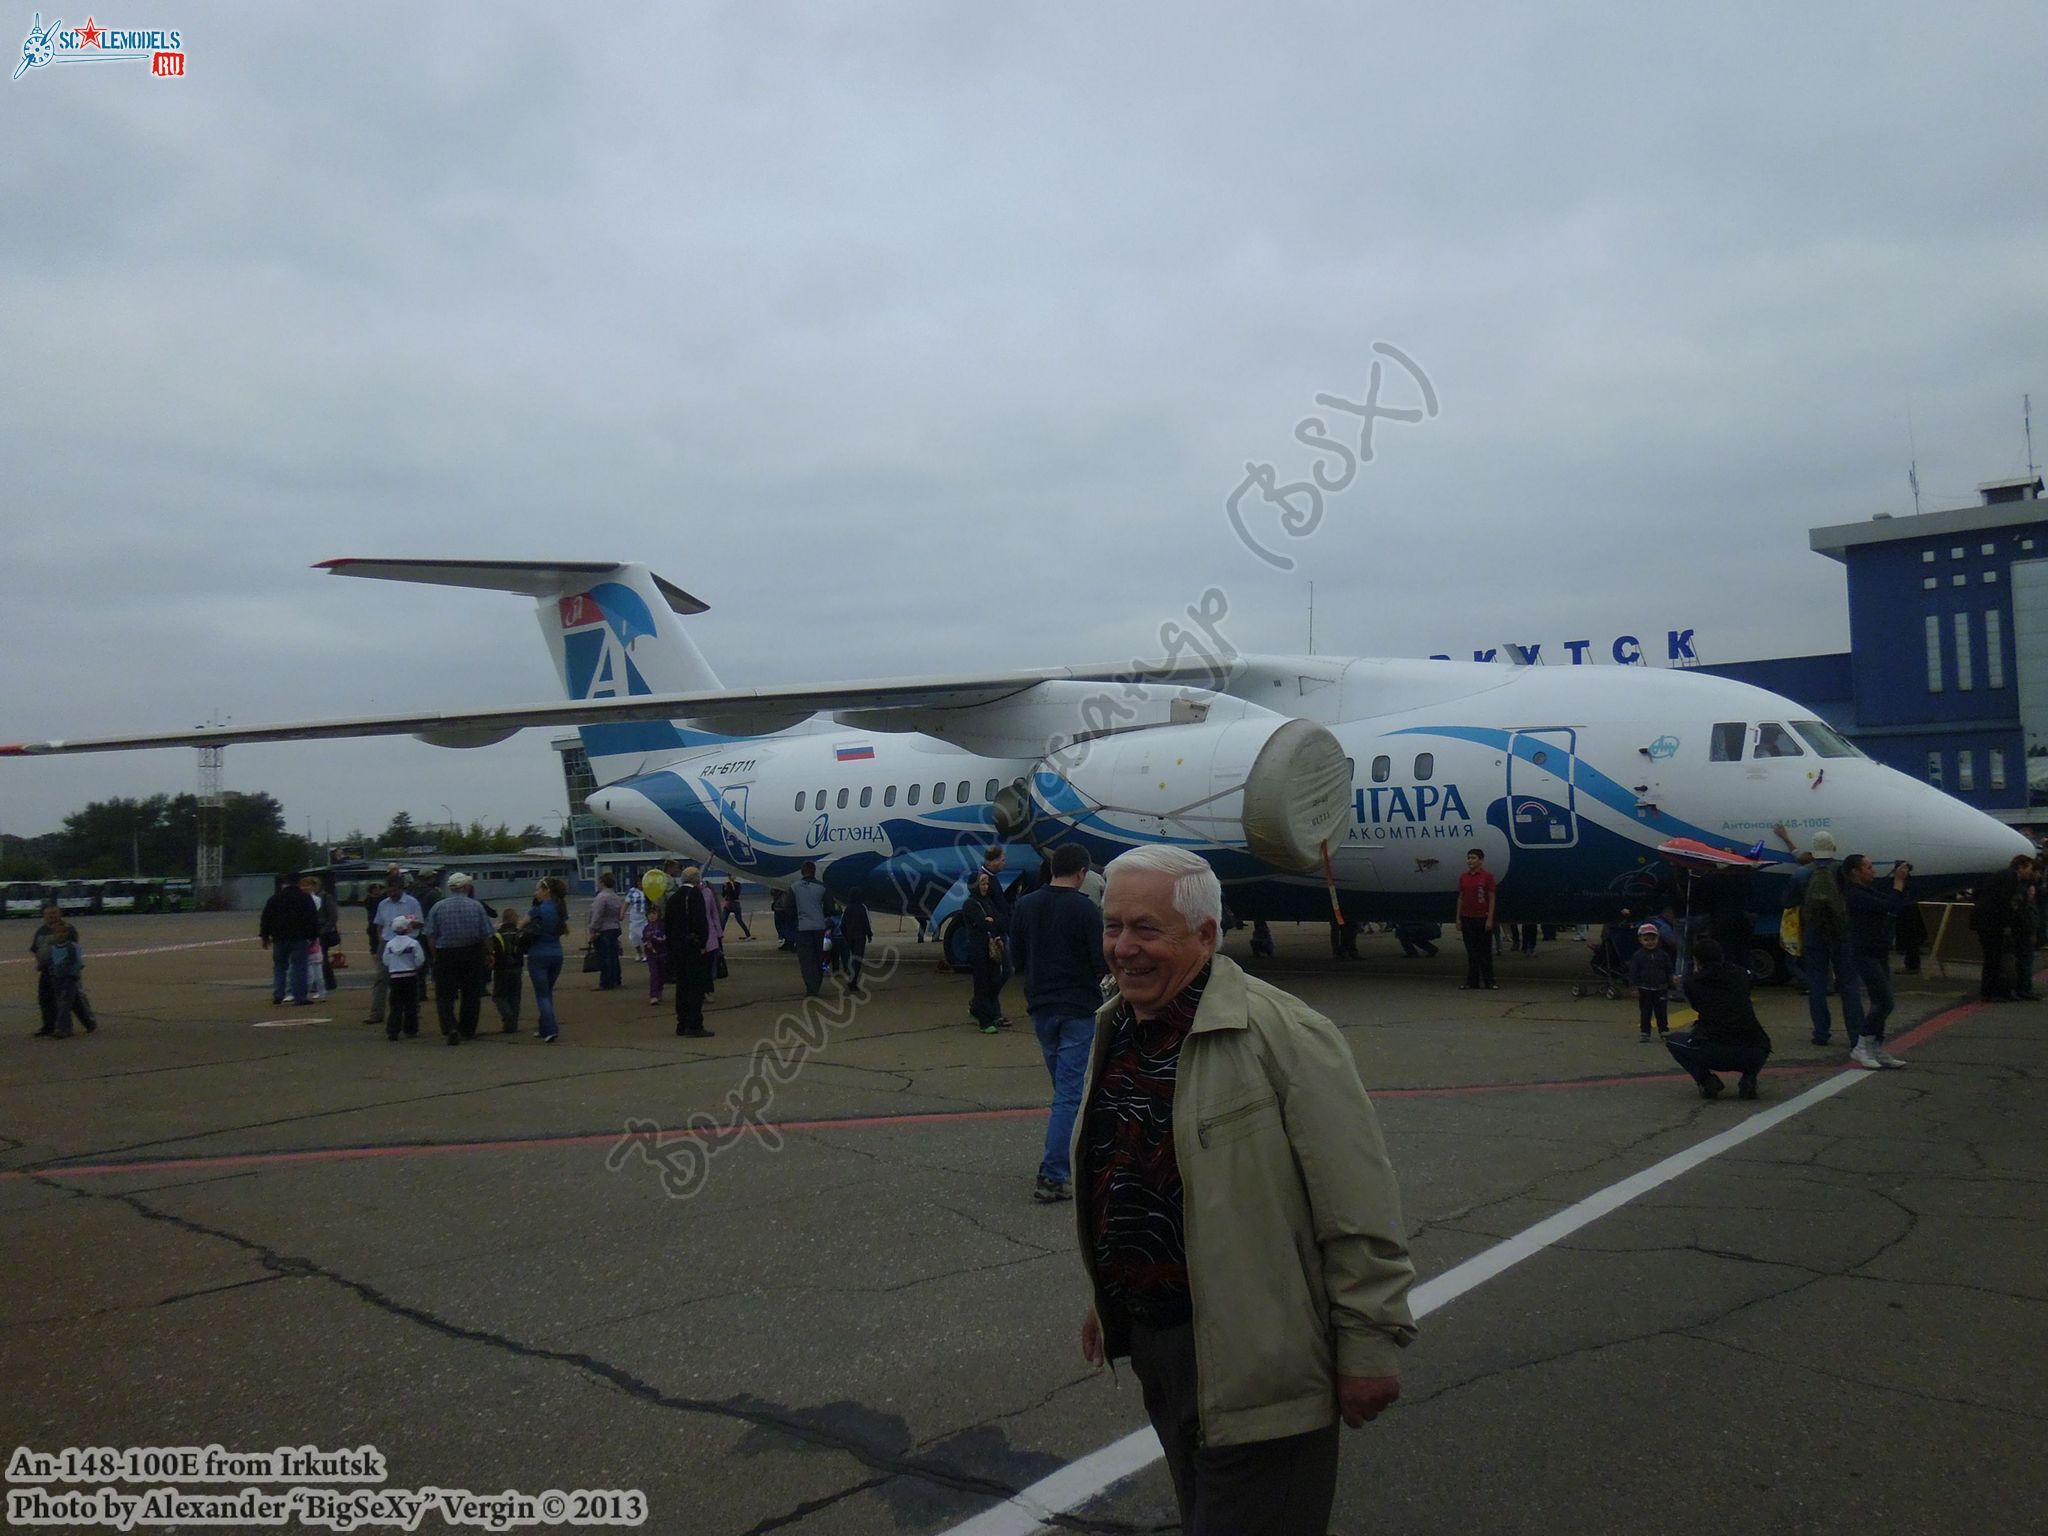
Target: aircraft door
{"type": "Point", "coordinates": [732, 824]}
{"type": "Point", "coordinates": [1542, 800]}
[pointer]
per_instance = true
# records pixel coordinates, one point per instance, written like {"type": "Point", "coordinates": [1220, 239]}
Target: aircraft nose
{"type": "Point", "coordinates": [624, 807]}
{"type": "Point", "coordinates": [1953, 839]}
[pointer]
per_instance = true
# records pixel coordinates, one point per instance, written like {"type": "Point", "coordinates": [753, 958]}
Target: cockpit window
{"type": "Point", "coordinates": [1727, 741]}
{"type": "Point", "coordinates": [1773, 740]}
{"type": "Point", "coordinates": [1825, 739]}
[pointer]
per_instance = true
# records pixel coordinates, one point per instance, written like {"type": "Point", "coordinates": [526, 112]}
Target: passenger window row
{"type": "Point", "coordinates": [962, 793]}
{"type": "Point", "coordinates": [1383, 767]}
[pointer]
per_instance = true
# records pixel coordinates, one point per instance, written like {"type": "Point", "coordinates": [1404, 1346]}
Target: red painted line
{"type": "Point", "coordinates": [1918, 1035]}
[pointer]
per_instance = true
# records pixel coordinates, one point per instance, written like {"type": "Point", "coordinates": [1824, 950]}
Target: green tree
{"type": "Point", "coordinates": [160, 836]}
{"type": "Point", "coordinates": [401, 833]}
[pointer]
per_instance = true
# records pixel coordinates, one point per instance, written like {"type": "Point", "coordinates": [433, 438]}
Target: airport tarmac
{"type": "Point", "coordinates": [258, 1226]}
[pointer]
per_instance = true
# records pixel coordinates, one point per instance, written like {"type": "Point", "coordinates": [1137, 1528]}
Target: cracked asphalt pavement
{"type": "Point", "coordinates": [302, 1234]}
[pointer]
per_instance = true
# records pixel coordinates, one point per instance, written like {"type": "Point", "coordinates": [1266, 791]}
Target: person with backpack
{"type": "Point", "coordinates": [508, 965]}
{"type": "Point", "coordinates": [62, 959]}
{"type": "Point", "coordinates": [40, 945]}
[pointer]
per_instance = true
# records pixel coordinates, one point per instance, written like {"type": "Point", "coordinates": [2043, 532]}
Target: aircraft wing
{"type": "Point", "coordinates": [733, 711]}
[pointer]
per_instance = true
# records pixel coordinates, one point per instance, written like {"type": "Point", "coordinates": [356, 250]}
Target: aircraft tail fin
{"type": "Point", "coordinates": [614, 630]}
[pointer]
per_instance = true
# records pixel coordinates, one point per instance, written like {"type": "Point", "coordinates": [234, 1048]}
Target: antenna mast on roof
{"type": "Point", "coordinates": [2027, 415]}
{"type": "Point", "coordinates": [1913, 466]}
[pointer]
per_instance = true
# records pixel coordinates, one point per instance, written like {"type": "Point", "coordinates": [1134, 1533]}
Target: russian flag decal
{"type": "Point", "coordinates": [855, 754]}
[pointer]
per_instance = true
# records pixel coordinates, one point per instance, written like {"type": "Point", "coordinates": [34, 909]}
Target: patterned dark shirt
{"type": "Point", "coordinates": [1134, 1189]}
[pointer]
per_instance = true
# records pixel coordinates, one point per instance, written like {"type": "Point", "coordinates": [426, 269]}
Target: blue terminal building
{"type": "Point", "coordinates": [1946, 675]}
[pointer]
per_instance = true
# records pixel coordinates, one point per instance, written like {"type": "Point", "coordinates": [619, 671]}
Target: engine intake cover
{"type": "Point", "coordinates": [1296, 797]}
{"type": "Point", "coordinates": [1257, 792]}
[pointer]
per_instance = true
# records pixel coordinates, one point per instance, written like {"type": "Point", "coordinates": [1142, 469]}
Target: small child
{"type": "Point", "coordinates": [508, 965]}
{"type": "Point", "coordinates": [316, 967]}
{"type": "Point", "coordinates": [654, 941]}
{"type": "Point", "coordinates": [1649, 972]}
{"type": "Point", "coordinates": [636, 921]}
{"type": "Point", "coordinates": [66, 963]}
{"type": "Point", "coordinates": [403, 959]}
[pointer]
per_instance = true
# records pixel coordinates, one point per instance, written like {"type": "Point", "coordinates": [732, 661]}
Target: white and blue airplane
{"type": "Point", "coordinates": [1297, 777]}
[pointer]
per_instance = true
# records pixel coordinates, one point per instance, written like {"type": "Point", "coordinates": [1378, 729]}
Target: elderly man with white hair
{"type": "Point", "coordinates": [1239, 1220]}
{"type": "Point", "coordinates": [459, 936]}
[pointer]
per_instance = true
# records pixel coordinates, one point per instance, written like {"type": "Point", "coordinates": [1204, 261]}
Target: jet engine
{"type": "Point", "coordinates": [1253, 793]}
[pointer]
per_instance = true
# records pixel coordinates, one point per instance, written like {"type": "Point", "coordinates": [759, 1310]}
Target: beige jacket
{"type": "Point", "coordinates": [1296, 1258]}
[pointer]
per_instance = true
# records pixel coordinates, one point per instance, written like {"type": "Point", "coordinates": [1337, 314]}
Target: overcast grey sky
{"type": "Point", "coordinates": [913, 337]}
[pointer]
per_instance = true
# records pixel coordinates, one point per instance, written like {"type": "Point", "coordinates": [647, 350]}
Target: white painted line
{"type": "Point", "coordinates": [287, 1023]}
{"type": "Point", "coordinates": [1034, 1508]}
{"type": "Point", "coordinates": [154, 949]}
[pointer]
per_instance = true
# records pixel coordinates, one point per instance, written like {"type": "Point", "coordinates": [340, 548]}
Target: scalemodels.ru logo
{"type": "Point", "coordinates": [92, 43]}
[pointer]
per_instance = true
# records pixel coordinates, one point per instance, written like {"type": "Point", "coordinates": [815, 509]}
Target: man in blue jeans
{"type": "Point", "coordinates": [289, 923]}
{"type": "Point", "coordinates": [1056, 946]}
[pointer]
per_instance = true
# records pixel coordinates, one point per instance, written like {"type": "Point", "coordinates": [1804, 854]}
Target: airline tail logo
{"type": "Point", "coordinates": [599, 628]}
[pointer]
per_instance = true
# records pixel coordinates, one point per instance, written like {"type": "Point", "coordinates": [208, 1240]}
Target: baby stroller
{"type": "Point", "coordinates": [1610, 960]}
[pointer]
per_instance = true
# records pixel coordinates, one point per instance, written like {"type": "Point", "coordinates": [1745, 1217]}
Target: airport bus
{"type": "Point", "coordinates": [147, 894]}
{"type": "Point", "coordinates": [25, 898]}
{"type": "Point", "coordinates": [77, 898]}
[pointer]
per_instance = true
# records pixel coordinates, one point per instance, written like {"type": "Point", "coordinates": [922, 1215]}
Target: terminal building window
{"type": "Point", "coordinates": [1727, 739]}
{"type": "Point", "coordinates": [1994, 649]}
{"type": "Point", "coordinates": [1934, 769]}
{"type": "Point", "coordinates": [1933, 654]}
{"type": "Point", "coordinates": [1927, 557]}
{"type": "Point", "coordinates": [1773, 740]}
{"type": "Point", "coordinates": [1927, 583]}
{"type": "Point", "coordinates": [1966, 770]}
{"type": "Point", "coordinates": [1997, 758]}
{"type": "Point", "coordinates": [1382, 769]}
{"type": "Point", "coordinates": [1964, 682]}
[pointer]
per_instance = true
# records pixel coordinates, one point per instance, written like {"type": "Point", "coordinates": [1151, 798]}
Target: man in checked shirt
{"type": "Point", "coordinates": [1238, 1218]}
{"type": "Point", "coordinates": [459, 931]}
